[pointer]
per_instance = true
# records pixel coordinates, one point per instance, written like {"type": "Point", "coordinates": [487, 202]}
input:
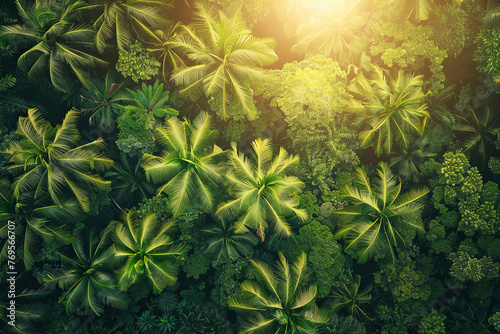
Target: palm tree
{"type": "Point", "coordinates": [414, 10]}
{"type": "Point", "coordinates": [380, 213]}
{"type": "Point", "coordinates": [7, 82]}
{"type": "Point", "coordinates": [225, 59]}
{"type": "Point", "coordinates": [332, 30]}
{"type": "Point", "coordinates": [125, 20]}
{"type": "Point", "coordinates": [151, 99]}
{"type": "Point", "coordinates": [162, 45]}
{"type": "Point", "coordinates": [147, 249]}
{"type": "Point", "coordinates": [58, 46]}
{"type": "Point", "coordinates": [390, 108]}
{"type": "Point", "coordinates": [35, 222]}
{"type": "Point", "coordinates": [280, 302]}
{"type": "Point", "coordinates": [406, 162]}
{"type": "Point", "coordinates": [30, 308]}
{"type": "Point", "coordinates": [103, 103]}
{"type": "Point", "coordinates": [129, 184]}
{"type": "Point", "coordinates": [228, 246]}
{"type": "Point", "coordinates": [262, 191]}
{"type": "Point", "coordinates": [190, 169]}
{"type": "Point", "coordinates": [348, 296]}
{"type": "Point", "coordinates": [86, 279]}
{"type": "Point", "coordinates": [49, 159]}
{"type": "Point", "coordinates": [481, 129]}
{"type": "Point", "coordinates": [492, 17]}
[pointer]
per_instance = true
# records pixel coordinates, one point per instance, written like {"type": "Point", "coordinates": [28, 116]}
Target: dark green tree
{"type": "Point", "coordinates": [225, 245]}
{"type": "Point", "coordinates": [479, 132]}
{"type": "Point", "coordinates": [348, 295]}
{"type": "Point", "coordinates": [30, 309]}
{"type": "Point", "coordinates": [129, 184]}
{"type": "Point", "coordinates": [86, 275]}
{"type": "Point", "coordinates": [59, 46]}
{"type": "Point", "coordinates": [35, 223]}
{"type": "Point", "coordinates": [101, 103]}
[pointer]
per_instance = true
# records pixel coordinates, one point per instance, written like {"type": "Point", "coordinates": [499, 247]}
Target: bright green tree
{"type": "Point", "coordinates": [50, 160]}
{"type": "Point", "coordinates": [313, 94]}
{"type": "Point", "coordinates": [225, 59]}
{"type": "Point", "coordinates": [390, 108]}
{"type": "Point", "coordinates": [414, 10]}
{"type": "Point", "coordinates": [380, 215]}
{"type": "Point", "coordinates": [124, 20]}
{"type": "Point", "coordinates": [137, 63]}
{"type": "Point", "coordinates": [280, 301]}
{"type": "Point", "coordinates": [263, 193]}
{"type": "Point", "coordinates": [333, 29]}
{"type": "Point", "coordinates": [409, 47]}
{"type": "Point", "coordinates": [162, 45]}
{"type": "Point", "coordinates": [58, 45]}
{"type": "Point", "coordinates": [190, 170]}
{"type": "Point", "coordinates": [467, 268]}
{"type": "Point", "coordinates": [433, 323]}
{"type": "Point", "coordinates": [152, 99]}
{"type": "Point", "coordinates": [148, 250]}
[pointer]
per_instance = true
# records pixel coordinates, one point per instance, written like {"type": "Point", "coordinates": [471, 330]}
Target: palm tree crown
{"type": "Point", "coordinates": [481, 130]}
{"type": "Point", "coordinates": [226, 245]}
{"type": "Point", "coordinates": [391, 108]}
{"type": "Point", "coordinates": [190, 168]}
{"type": "Point", "coordinates": [280, 302]}
{"type": "Point", "coordinates": [151, 99]}
{"type": "Point", "coordinates": [128, 19]}
{"type": "Point", "coordinates": [49, 159]}
{"type": "Point", "coordinates": [350, 297]}
{"type": "Point", "coordinates": [379, 214]}
{"type": "Point", "coordinates": [409, 10]}
{"type": "Point", "coordinates": [332, 30]}
{"type": "Point", "coordinates": [148, 250]}
{"type": "Point", "coordinates": [162, 45]}
{"type": "Point", "coordinates": [86, 278]}
{"type": "Point", "coordinates": [225, 59]}
{"type": "Point", "coordinates": [103, 101]}
{"type": "Point", "coordinates": [31, 308]}
{"type": "Point", "coordinates": [58, 46]}
{"type": "Point", "coordinates": [36, 222]}
{"type": "Point", "coordinates": [263, 192]}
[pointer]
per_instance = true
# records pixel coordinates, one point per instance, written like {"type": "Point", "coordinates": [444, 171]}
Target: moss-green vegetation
{"type": "Point", "coordinates": [260, 166]}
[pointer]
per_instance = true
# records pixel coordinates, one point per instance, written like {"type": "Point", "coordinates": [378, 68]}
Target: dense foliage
{"type": "Point", "coordinates": [264, 166]}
